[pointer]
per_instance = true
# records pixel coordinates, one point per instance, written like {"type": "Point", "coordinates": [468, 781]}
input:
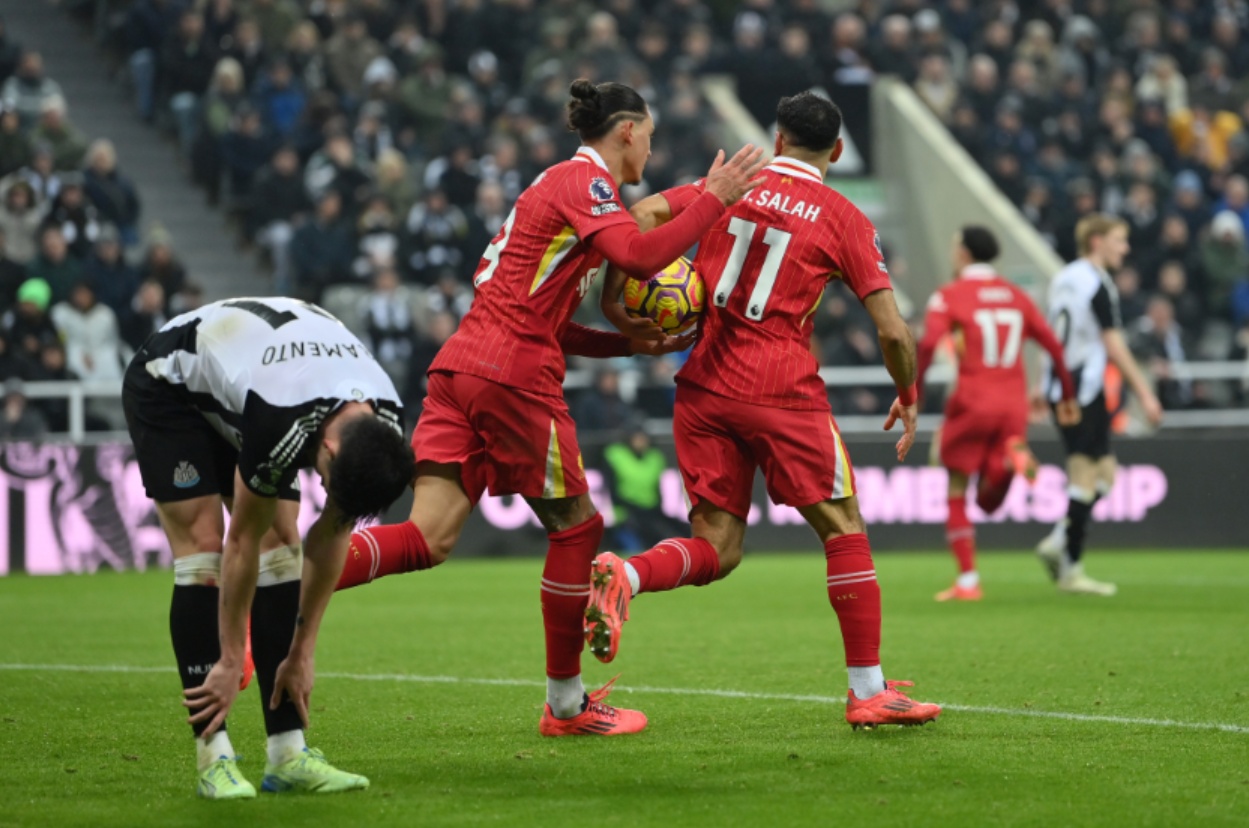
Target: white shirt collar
{"type": "Point", "coordinates": [792, 166]}
{"type": "Point", "coordinates": [590, 154]}
{"type": "Point", "coordinates": [979, 270]}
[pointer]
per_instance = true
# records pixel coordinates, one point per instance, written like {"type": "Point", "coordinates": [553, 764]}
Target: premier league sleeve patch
{"type": "Point", "coordinates": [600, 190]}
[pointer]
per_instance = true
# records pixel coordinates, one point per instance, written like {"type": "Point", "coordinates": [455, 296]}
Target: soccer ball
{"type": "Point", "coordinates": [673, 297]}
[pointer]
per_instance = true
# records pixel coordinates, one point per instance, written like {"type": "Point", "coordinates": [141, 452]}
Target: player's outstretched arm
{"type": "Point", "coordinates": [1117, 350]}
{"type": "Point", "coordinates": [325, 550]}
{"type": "Point", "coordinates": [250, 518]}
{"type": "Point", "coordinates": [897, 345]}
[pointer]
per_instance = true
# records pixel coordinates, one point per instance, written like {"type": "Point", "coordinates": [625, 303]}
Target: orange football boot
{"type": "Point", "coordinates": [890, 706]}
{"type": "Point", "coordinates": [597, 719]}
{"type": "Point", "coordinates": [958, 593]}
{"type": "Point", "coordinates": [1020, 458]}
{"type": "Point", "coordinates": [249, 666]}
{"type": "Point", "coordinates": [609, 606]}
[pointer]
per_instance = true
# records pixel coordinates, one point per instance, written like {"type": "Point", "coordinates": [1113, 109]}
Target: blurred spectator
{"type": "Point", "coordinates": [1190, 202]}
{"type": "Point", "coordinates": [1164, 82]}
{"type": "Point", "coordinates": [112, 193]}
{"type": "Point", "coordinates": [147, 314]}
{"type": "Point", "coordinates": [434, 239]}
{"type": "Point", "coordinates": [20, 421]}
{"type": "Point", "coordinates": [348, 54]}
{"type": "Point", "coordinates": [935, 85]}
{"type": "Point", "coordinates": [601, 408]}
{"type": "Point", "coordinates": [12, 274]}
{"type": "Point", "coordinates": [245, 149]}
{"type": "Point", "coordinates": [220, 18]}
{"type": "Point", "coordinates": [19, 221]}
{"type": "Point", "coordinates": [279, 202]}
{"type": "Point", "coordinates": [424, 348]}
{"type": "Point", "coordinates": [28, 327]}
{"type": "Point", "coordinates": [1173, 284]}
{"type": "Point", "coordinates": [11, 364]}
{"type": "Point", "coordinates": [15, 148]}
{"type": "Point", "coordinates": [377, 238]}
{"type": "Point", "coordinates": [485, 220]}
{"type": "Point", "coordinates": [112, 279]}
{"type": "Point", "coordinates": [186, 66]}
{"type": "Point", "coordinates": [634, 469]}
{"type": "Point", "coordinates": [53, 368]}
{"type": "Point", "coordinates": [93, 346]}
{"type": "Point", "coordinates": [276, 19]}
{"type": "Point", "coordinates": [1235, 199]}
{"type": "Point", "coordinates": [248, 49]}
{"type": "Point", "coordinates": [148, 23]}
{"type": "Point", "coordinates": [335, 167]}
{"type": "Point", "coordinates": [67, 144]}
{"type": "Point", "coordinates": [425, 96]}
{"type": "Point", "coordinates": [10, 52]}
{"type": "Point", "coordinates": [1131, 298]}
{"type": "Point", "coordinates": [41, 174]}
{"type": "Point", "coordinates": [895, 54]}
{"type": "Point", "coordinates": [1201, 133]}
{"type": "Point", "coordinates": [280, 97]}
{"type": "Point", "coordinates": [387, 322]}
{"type": "Point", "coordinates": [160, 265]}
{"type": "Point", "coordinates": [1174, 244]}
{"type": "Point", "coordinates": [78, 219]}
{"type": "Point", "coordinates": [59, 270]}
{"type": "Point", "coordinates": [28, 89]}
{"type": "Point", "coordinates": [394, 181]}
{"type": "Point", "coordinates": [322, 250]}
{"type": "Point", "coordinates": [1224, 260]}
{"type": "Point", "coordinates": [1156, 341]}
{"type": "Point", "coordinates": [226, 95]}
{"type": "Point", "coordinates": [303, 50]}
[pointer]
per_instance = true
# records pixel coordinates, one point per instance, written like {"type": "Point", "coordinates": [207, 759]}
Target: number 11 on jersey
{"type": "Point", "coordinates": [743, 233]}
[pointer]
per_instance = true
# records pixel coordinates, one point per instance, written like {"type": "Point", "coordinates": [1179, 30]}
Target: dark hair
{"type": "Point", "coordinates": [594, 110]}
{"type": "Point", "coordinates": [809, 121]}
{"type": "Point", "coordinates": [980, 242]}
{"type": "Point", "coordinates": [373, 466]}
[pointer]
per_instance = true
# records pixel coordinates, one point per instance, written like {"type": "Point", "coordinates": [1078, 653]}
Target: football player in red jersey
{"type": "Point", "coordinates": [750, 397]}
{"type": "Point", "coordinates": [495, 415]}
{"type": "Point", "coordinates": [986, 416]}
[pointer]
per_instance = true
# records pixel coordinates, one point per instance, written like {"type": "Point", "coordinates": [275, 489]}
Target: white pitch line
{"type": "Point", "coordinates": [669, 691]}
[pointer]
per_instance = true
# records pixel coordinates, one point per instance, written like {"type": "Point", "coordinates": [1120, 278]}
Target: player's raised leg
{"type": "Point", "coordinates": [713, 552]}
{"type": "Point", "coordinates": [960, 534]}
{"type": "Point", "coordinates": [574, 530]}
{"type": "Point", "coordinates": [855, 596]}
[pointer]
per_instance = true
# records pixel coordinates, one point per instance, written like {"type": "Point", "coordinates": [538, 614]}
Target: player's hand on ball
{"type": "Point", "coordinates": [1067, 412]}
{"type": "Point", "coordinates": [666, 345]}
{"type": "Point", "coordinates": [909, 415]}
{"type": "Point", "coordinates": [294, 678]}
{"type": "Point", "coordinates": [635, 327]}
{"type": "Point", "coordinates": [211, 701]}
{"type": "Point", "coordinates": [731, 180]}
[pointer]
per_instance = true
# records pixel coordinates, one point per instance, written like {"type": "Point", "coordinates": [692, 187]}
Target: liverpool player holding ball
{"type": "Point", "coordinates": [986, 417]}
{"type": "Point", "coordinates": [750, 397]}
{"type": "Point", "coordinates": [495, 415]}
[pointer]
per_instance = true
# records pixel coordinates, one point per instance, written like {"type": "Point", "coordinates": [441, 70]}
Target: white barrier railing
{"type": "Point", "coordinates": [77, 393]}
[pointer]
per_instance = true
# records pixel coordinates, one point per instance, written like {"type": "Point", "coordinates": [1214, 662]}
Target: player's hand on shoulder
{"type": "Point", "coordinates": [1067, 412]}
{"type": "Point", "coordinates": [732, 179]}
{"type": "Point", "coordinates": [909, 417]}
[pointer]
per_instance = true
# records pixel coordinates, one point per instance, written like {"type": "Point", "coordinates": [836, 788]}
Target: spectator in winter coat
{"type": "Point", "coordinates": [54, 129]}
{"type": "Point", "coordinates": [1225, 261]}
{"type": "Point", "coordinates": [322, 250]}
{"type": "Point", "coordinates": [54, 265]}
{"type": "Point", "coordinates": [41, 174]}
{"type": "Point", "coordinates": [279, 202]}
{"type": "Point", "coordinates": [280, 97]}
{"type": "Point", "coordinates": [112, 193]}
{"type": "Point", "coordinates": [146, 316]}
{"type": "Point", "coordinates": [186, 66]}
{"type": "Point", "coordinates": [245, 148]}
{"type": "Point", "coordinates": [27, 327]}
{"type": "Point", "coordinates": [93, 346]}
{"type": "Point", "coordinates": [19, 221]}
{"type": "Point", "coordinates": [348, 53]}
{"type": "Point", "coordinates": [78, 219]}
{"type": "Point", "coordinates": [18, 420]}
{"type": "Point", "coordinates": [162, 266]}
{"type": "Point", "coordinates": [112, 278]}
{"type": "Point", "coordinates": [28, 88]}
{"type": "Point", "coordinates": [15, 148]}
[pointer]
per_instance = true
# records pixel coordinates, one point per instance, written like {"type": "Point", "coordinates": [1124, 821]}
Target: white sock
{"type": "Point", "coordinates": [283, 747]}
{"type": "Point", "coordinates": [866, 682]}
{"type": "Point", "coordinates": [207, 752]}
{"type": "Point", "coordinates": [565, 696]}
{"type": "Point", "coordinates": [969, 580]}
{"type": "Point", "coordinates": [635, 583]}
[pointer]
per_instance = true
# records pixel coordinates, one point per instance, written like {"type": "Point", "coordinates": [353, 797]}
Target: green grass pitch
{"type": "Point", "coordinates": [408, 695]}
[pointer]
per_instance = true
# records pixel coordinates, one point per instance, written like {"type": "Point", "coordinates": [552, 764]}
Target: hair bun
{"type": "Point", "coordinates": [584, 90]}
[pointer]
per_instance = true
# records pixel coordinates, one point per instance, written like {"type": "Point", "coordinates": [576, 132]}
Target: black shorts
{"type": "Point", "coordinates": [180, 455]}
{"type": "Point", "coordinates": [1091, 436]}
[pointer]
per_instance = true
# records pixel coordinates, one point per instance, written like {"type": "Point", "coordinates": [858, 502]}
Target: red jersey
{"type": "Point", "coordinates": [989, 318]}
{"type": "Point", "coordinates": [766, 263]}
{"type": "Point", "coordinates": [533, 276]}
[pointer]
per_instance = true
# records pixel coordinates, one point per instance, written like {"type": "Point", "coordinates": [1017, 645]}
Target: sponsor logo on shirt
{"type": "Point", "coordinates": [600, 190]}
{"type": "Point", "coordinates": [604, 209]}
{"type": "Point", "coordinates": [185, 476]}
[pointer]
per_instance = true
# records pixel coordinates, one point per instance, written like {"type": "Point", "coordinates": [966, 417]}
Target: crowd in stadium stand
{"type": "Point", "coordinates": [1134, 109]}
{"type": "Point", "coordinates": [369, 149]}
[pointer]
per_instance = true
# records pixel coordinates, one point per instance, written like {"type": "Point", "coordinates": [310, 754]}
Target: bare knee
{"type": "Point", "coordinates": [562, 513]}
{"type": "Point", "coordinates": [834, 518]}
{"type": "Point", "coordinates": [723, 530]}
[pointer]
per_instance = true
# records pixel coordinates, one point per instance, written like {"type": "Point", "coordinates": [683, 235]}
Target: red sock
{"type": "Point", "coordinates": [384, 550]}
{"type": "Point", "coordinates": [855, 596]}
{"type": "Point", "coordinates": [676, 562]}
{"type": "Point", "coordinates": [961, 535]}
{"type": "Point", "coordinates": [565, 594]}
{"type": "Point", "coordinates": [993, 488]}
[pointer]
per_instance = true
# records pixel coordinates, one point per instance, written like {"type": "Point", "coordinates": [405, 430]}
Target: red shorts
{"type": "Point", "coordinates": [974, 439]}
{"type": "Point", "coordinates": [720, 443]}
{"type": "Point", "coordinates": [505, 439]}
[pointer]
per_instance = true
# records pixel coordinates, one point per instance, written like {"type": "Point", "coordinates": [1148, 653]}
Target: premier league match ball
{"type": "Point", "coordinates": [673, 297]}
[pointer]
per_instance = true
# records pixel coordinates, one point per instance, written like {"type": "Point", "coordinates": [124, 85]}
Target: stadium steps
{"type": "Point", "coordinates": [99, 107]}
